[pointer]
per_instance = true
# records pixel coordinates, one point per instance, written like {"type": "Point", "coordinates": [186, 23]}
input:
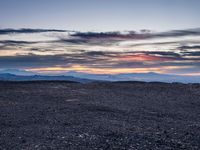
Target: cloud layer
{"type": "Point", "coordinates": [176, 51]}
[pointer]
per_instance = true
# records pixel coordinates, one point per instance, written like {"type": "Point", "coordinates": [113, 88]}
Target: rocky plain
{"type": "Point", "coordinates": [103, 116]}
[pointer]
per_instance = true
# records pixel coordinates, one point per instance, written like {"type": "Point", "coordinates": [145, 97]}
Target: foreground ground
{"type": "Point", "coordinates": [60, 115]}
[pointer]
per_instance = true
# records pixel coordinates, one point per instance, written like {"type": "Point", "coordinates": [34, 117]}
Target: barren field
{"type": "Point", "coordinates": [74, 116]}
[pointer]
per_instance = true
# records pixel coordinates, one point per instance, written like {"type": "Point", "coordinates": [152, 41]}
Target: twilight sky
{"type": "Point", "coordinates": [101, 36]}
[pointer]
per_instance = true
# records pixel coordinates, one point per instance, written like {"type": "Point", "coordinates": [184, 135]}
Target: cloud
{"type": "Point", "coordinates": [96, 53]}
{"type": "Point", "coordinates": [189, 47]}
{"type": "Point", "coordinates": [10, 42]}
{"type": "Point", "coordinates": [97, 59]}
{"type": "Point", "coordinates": [73, 41]}
{"type": "Point", "coordinates": [32, 60]}
{"type": "Point", "coordinates": [179, 33]}
{"type": "Point", "coordinates": [111, 35]}
{"type": "Point", "coordinates": [23, 30]}
{"type": "Point", "coordinates": [193, 54]}
{"type": "Point", "coordinates": [144, 49]}
{"type": "Point", "coordinates": [133, 35]}
{"type": "Point", "coordinates": [168, 54]}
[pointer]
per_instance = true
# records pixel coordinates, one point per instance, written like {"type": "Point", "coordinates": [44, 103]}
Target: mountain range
{"type": "Point", "coordinates": [22, 75]}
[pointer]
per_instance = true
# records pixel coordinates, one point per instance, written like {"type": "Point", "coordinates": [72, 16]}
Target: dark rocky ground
{"type": "Point", "coordinates": [61, 115]}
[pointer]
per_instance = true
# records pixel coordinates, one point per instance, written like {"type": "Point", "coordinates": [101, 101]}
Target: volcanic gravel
{"type": "Point", "coordinates": [102, 116]}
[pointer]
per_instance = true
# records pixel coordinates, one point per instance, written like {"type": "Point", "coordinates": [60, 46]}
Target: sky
{"type": "Point", "coordinates": [101, 36]}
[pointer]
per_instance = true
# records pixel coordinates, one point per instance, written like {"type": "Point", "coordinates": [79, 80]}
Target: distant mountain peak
{"type": "Point", "coordinates": [17, 72]}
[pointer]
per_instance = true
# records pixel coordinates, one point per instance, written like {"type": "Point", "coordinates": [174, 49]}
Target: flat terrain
{"type": "Point", "coordinates": [74, 116]}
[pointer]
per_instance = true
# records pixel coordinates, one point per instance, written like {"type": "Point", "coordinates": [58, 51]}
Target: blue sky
{"type": "Point", "coordinates": [101, 15]}
{"type": "Point", "coordinates": [101, 36]}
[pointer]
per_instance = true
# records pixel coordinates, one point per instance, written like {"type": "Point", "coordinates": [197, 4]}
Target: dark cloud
{"type": "Point", "coordinates": [41, 50]}
{"type": "Point", "coordinates": [73, 41]}
{"type": "Point", "coordinates": [188, 53]}
{"type": "Point", "coordinates": [178, 33]}
{"type": "Point", "coordinates": [16, 31]}
{"type": "Point", "coordinates": [111, 35]}
{"type": "Point", "coordinates": [187, 50]}
{"type": "Point", "coordinates": [32, 60]}
{"type": "Point", "coordinates": [96, 53]}
{"type": "Point", "coordinates": [87, 41]}
{"type": "Point", "coordinates": [11, 45]}
{"type": "Point", "coordinates": [10, 42]}
{"type": "Point", "coordinates": [189, 47]}
{"type": "Point", "coordinates": [132, 35]}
